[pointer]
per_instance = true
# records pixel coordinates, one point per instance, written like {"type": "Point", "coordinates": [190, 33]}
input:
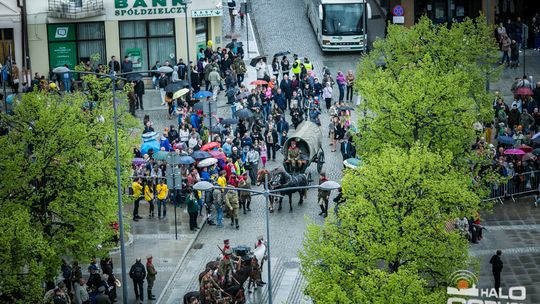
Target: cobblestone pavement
{"type": "Point", "coordinates": [280, 25]}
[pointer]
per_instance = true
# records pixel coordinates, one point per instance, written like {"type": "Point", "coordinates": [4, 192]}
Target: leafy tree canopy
{"type": "Point", "coordinates": [58, 186]}
{"type": "Point", "coordinates": [431, 87]}
{"type": "Point", "coordinates": [390, 241]}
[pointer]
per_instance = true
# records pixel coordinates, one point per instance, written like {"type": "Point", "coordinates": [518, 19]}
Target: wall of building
{"type": "Point", "coordinates": [10, 18]}
{"type": "Point", "coordinates": [116, 11]}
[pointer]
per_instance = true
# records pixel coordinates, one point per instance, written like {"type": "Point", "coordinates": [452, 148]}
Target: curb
{"type": "Point", "coordinates": [116, 250]}
{"type": "Point", "coordinates": [180, 262]}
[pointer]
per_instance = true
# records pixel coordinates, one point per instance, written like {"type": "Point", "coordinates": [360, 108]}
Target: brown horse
{"type": "Point", "coordinates": [262, 174]}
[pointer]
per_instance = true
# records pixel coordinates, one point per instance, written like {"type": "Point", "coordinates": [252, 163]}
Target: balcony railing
{"type": "Point", "coordinates": [75, 9]}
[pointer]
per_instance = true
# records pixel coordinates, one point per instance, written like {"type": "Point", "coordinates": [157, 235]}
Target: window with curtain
{"type": "Point", "coordinates": [154, 40]}
{"type": "Point", "coordinates": [91, 40]}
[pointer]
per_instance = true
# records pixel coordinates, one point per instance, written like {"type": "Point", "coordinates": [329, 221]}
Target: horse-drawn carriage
{"type": "Point", "coordinates": [308, 140]}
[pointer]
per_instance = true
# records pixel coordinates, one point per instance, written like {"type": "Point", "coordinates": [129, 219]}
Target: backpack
{"type": "Point", "coordinates": [138, 273]}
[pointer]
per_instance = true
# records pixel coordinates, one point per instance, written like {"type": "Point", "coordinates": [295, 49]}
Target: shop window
{"type": "Point", "coordinates": [73, 43]}
{"type": "Point", "coordinates": [201, 33]}
{"type": "Point", "coordinates": [147, 42]}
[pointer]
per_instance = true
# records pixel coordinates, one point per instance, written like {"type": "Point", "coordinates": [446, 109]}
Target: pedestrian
{"type": "Point", "coordinates": [80, 292]}
{"type": "Point", "coordinates": [231, 200]}
{"type": "Point", "coordinates": [139, 91]}
{"type": "Point", "coordinates": [67, 79]}
{"type": "Point", "coordinates": [323, 196]}
{"type": "Point", "coordinates": [101, 297]}
{"type": "Point", "coordinates": [67, 273]}
{"type": "Point", "coordinates": [350, 83]}
{"type": "Point", "coordinates": [505, 48]}
{"type": "Point", "coordinates": [150, 276]}
{"type": "Point", "coordinates": [218, 199]}
{"type": "Point", "coordinates": [215, 82]}
{"type": "Point", "coordinates": [138, 273]}
{"type": "Point", "coordinates": [137, 196]}
{"type": "Point", "coordinates": [193, 210]}
{"type": "Point", "coordinates": [244, 196]}
{"type": "Point", "coordinates": [132, 99]}
{"type": "Point", "coordinates": [127, 65]}
{"type": "Point", "coordinates": [342, 82]}
{"type": "Point", "coordinates": [327, 95]}
{"type": "Point", "coordinates": [496, 269]}
{"type": "Point", "coordinates": [252, 164]}
{"type": "Point", "coordinates": [77, 273]}
{"type": "Point", "coordinates": [347, 149]}
{"type": "Point", "coordinates": [163, 81]}
{"type": "Point", "coordinates": [149, 197]}
{"type": "Point", "coordinates": [162, 195]}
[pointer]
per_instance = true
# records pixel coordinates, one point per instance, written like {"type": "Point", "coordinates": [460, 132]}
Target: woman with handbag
{"type": "Point", "coordinates": [231, 4]}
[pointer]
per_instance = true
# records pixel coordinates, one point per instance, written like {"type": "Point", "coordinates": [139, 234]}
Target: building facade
{"type": "Point", "coordinates": [70, 31]}
{"type": "Point", "coordinates": [11, 39]}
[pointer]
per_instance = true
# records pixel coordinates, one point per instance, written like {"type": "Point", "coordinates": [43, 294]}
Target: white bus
{"type": "Point", "coordinates": [340, 25]}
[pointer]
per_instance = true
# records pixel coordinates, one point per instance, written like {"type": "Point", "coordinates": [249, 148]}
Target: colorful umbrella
{"type": "Point", "coordinates": [352, 163]}
{"type": "Point", "coordinates": [218, 155]}
{"type": "Point", "coordinates": [524, 91]}
{"type": "Point", "coordinates": [161, 155]}
{"type": "Point", "coordinates": [207, 162]}
{"type": "Point", "coordinates": [528, 156]}
{"type": "Point", "coordinates": [525, 148]}
{"type": "Point", "coordinates": [514, 152]}
{"type": "Point", "coordinates": [505, 140]}
{"type": "Point", "coordinates": [202, 94]}
{"type": "Point", "coordinates": [200, 154]}
{"type": "Point", "coordinates": [186, 160]}
{"type": "Point", "coordinates": [180, 93]}
{"type": "Point", "coordinates": [258, 82]}
{"type": "Point", "coordinates": [210, 146]}
{"type": "Point", "coordinates": [138, 161]}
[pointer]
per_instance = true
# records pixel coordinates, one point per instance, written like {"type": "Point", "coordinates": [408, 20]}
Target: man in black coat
{"type": "Point", "coordinates": [286, 88]}
{"type": "Point", "coordinates": [114, 65]}
{"type": "Point", "coordinates": [139, 91]}
{"type": "Point", "coordinates": [347, 149]}
{"type": "Point", "coordinates": [496, 268]}
{"type": "Point", "coordinates": [138, 273]}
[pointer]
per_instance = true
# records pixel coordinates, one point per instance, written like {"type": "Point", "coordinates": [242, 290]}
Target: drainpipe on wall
{"type": "Point", "coordinates": [25, 51]}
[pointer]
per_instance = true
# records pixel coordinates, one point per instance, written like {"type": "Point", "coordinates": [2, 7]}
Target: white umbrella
{"type": "Point", "coordinates": [207, 162]}
{"type": "Point", "coordinates": [536, 135]}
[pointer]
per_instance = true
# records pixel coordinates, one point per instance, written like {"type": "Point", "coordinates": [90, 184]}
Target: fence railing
{"type": "Point", "coordinates": [517, 185]}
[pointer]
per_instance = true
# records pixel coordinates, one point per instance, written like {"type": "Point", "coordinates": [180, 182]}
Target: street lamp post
{"type": "Point", "coordinates": [206, 186]}
{"type": "Point", "coordinates": [186, 2]}
{"type": "Point", "coordinates": [114, 78]}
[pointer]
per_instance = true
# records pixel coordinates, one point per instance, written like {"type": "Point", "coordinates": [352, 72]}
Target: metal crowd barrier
{"type": "Point", "coordinates": [517, 185]}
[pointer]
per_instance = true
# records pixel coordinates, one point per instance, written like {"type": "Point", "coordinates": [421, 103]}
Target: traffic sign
{"type": "Point", "coordinates": [397, 10]}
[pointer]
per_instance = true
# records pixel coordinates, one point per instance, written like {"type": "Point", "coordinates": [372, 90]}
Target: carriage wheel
{"type": "Point", "coordinates": [320, 161]}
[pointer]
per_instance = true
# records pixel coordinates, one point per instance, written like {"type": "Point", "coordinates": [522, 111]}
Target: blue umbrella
{"type": "Point", "coordinates": [186, 160]}
{"type": "Point", "coordinates": [202, 94]}
{"type": "Point", "coordinates": [200, 155]}
{"type": "Point", "coordinates": [161, 155]}
{"type": "Point", "coordinates": [505, 140]}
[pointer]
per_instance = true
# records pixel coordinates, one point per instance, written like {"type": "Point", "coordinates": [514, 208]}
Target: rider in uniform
{"type": "Point", "coordinates": [293, 156]}
{"type": "Point", "coordinates": [226, 267]}
{"type": "Point", "coordinates": [209, 288]}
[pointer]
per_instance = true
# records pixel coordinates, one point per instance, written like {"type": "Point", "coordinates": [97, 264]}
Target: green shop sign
{"type": "Point", "coordinates": [61, 32]}
{"type": "Point", "coordinates": [61, 53]}
{"type": "Point", "coordinates": [148, 7]}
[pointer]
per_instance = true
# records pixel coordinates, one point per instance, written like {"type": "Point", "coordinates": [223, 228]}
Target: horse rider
{"type": "Point", "coordinates": [226, 267]}
{"type": "Point", "coordinates": [209, 288]}
{"type": "Point", "coordinates": [323, 196]}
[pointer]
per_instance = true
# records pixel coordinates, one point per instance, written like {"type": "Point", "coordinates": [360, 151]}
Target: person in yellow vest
{"type": "Point", "coordinates": [162, 194]}
{"type": "Point", "coordinates": [297, 66]}
{"type": "Point", "coordinates": [137, 195]}
{"type": "Point", "coordinates": [308, 65]}
{"type": "Point", "coordinates": [149, 197]}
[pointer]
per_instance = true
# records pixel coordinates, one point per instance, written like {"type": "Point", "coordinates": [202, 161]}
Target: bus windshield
{"type": "Point", "coordinates": [343, 19]}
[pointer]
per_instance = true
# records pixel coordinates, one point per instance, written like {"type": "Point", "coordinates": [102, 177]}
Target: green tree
{"type": "Point", "coordinates": [390, 240]}
{"type": "Point", "coordinates": [431, 88]}
{"type": "Point", "coordinates": [58, 187]}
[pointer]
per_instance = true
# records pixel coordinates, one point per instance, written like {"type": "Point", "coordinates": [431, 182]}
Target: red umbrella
{"type": "Point", "coordinates": [524, 91]}
{"type": "Point", "coordinates": [210, 146]}
{"type": "Point", "coordinates": [258, 82]}
{"type": "Point", "coordinates": [514, 152]}
{"type": "Point", "coordinates": [528, 156]}
{"type": "Point", "coordinates": [218, 155]}
{"type": "Point", "coordinates": [525, 148]}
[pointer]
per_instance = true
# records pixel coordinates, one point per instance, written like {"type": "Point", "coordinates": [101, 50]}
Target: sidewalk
{"type": "Point", "coordinates": [153, 236]}
{"type": "Point", "coordinates": [532, 68]}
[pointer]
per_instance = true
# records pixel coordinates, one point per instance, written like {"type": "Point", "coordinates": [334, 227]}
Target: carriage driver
{"type": "Point", "coordinates": [293, 157]}
{"type": "Point", "coordinates": [226, 267]}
